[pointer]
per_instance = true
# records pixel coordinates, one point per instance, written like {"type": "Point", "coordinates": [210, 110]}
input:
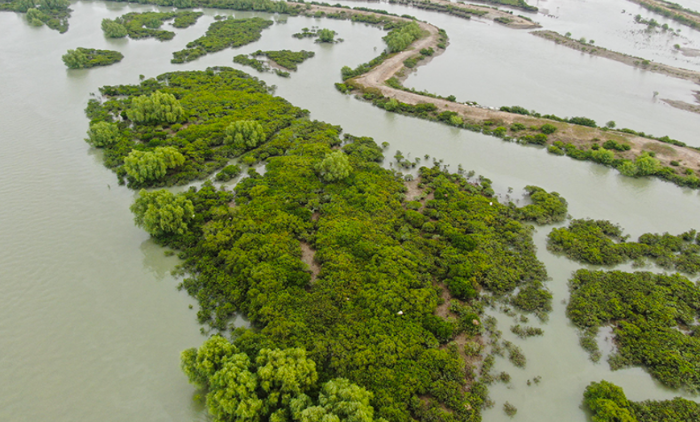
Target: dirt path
{"type": "Point", "coordinates": [638, 62]}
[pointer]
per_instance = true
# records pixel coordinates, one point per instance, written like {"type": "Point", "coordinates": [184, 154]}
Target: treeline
{"type": "Point", "coordinates": [146, 25]}
{"type": "Point", "coordinates": [516, 4]}
{"type": "Point", "coordinates": [654, 320]}
{"type": "Point", "coordinates": [270, 6]}
{"type": "Point", "coordinates": [223, 34]}
{"type": "Point", "coordinates": [600, 242]}
{"type": "Point", "coordinates": [608, 403]}
{"type": "Point", "coordinates": [53, 13]}
{"type": "Point", "coordinates": [84, 58]}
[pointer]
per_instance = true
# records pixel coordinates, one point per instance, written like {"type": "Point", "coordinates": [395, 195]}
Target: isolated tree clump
{"type": "Point", "coordinates": [160, 212]}
{"type": "Point", "coordinates": [335, 166]}
{"type": "Point", "coordinates": [75, 59]}
{"type": "Point", "coordinates": [145, 166]}
{"type": "Point", "coordinates": [245, 134]}
{"type": "Point", "coordinates": [159, 107]}
{"type": "Point", "coordinates": [102, 134]}
{"type": "Point", "coordinates": [113, 29]}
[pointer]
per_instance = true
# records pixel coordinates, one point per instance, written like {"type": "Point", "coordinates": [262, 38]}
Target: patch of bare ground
{"type": "Point", "coordinates": [307, 256]}
{"type": "Point", "coordinates": [580, 136]}
{"type": "Point", "coordinates": [694, 108]}
{"type": "Point", "coordinates": [413, 190]}
{"type": "Point", "coordinates": [634, 61]}
{"type": "Point", "coordinates": [688, 16]}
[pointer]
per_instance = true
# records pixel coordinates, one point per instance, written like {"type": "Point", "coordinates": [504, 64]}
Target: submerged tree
{"type": "Point", "coordinates": [160, 212]}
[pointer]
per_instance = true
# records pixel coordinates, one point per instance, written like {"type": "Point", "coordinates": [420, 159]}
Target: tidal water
{"type": "Point", "coordinates": [91, 322]}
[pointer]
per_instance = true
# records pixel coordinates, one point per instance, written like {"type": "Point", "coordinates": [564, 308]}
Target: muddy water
{"type": "Point", "coordinates": [91, 323]}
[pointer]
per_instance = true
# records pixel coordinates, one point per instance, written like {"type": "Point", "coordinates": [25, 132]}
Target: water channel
{"type": "Point", "coordinates": [91, 322]}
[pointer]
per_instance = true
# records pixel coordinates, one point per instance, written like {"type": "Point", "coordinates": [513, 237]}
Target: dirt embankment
{"type": "Point", "coordinates": [566, 132]}
{"type": "Point", "coordinates": [665, 8]}
{"type": "Point", "coordinates": [638, 62]}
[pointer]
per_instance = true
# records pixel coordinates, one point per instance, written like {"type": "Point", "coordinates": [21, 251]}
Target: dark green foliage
{"type": "Point", "coordinates": [610, 144]}
{"type": "Point", "coordinates": [84, 58]}
{"type": "Point", "coordinates": [600, 242]}
{"type": "Point", "coordinates": [524, 332]}
{"type": "Point", "coordinates": [53, 13]}
{"type": "Point", "coordinates": [516, 4]}
{"type": "Point", "coordinates": [548, 128]}
{"type": "Point", "coordinates": [609, 404]}
{"type": "Point", "coordinates": [211, 101]}
{"type": "Point", "coordinates": [326, 35]}
{"type": "Point", "coordinates": [516, 110]}
{"type": "Point", "coordinates": [583, 121]}
{"type": "Point", "coordinates": [147, 24]}
{"type": "Point", "coordinates": [285, 58]}
{"type": "Point", "coordinates": [227, 173]}
{"type": "Point", "coordinates": [403, 35]}
{"type": "Point", "coordinates": [546, 208]}
{"type": "Point", "coordinates": [223, 34]}
{"type": "Point", "coordinates": [369, 314]}
{"type": "Point", "coordinates": [256, 64]}
{"type": "Point", "coordinates": [650, 314]}
{"type": "Point", "coordinates": [533, 298]}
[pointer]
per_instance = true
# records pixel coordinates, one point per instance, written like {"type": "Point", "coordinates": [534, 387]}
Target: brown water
{"type": "Point", "coordinates": [91, 324]}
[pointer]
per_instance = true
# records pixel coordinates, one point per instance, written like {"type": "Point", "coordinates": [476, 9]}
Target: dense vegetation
{"type": "Point", "coordinates": [147, 24]}
{"type": "Point", "coordinates": [654, 320]}
{"type": "Point", "coordinates": [223, 34]}
{"type": "Point", "coordinates": [608, 403]}
{"type": "Point", "coordinates": [53, 13]}
{"type": "Point", "coordinates": [83, 58]}
{"type": "Point", "coordinates": [460, 10]}
{"type": "Point", "coordinates": [368, 314]}
{"type": "Point", "coordinates": [600, 242]}
{"type": "Point", "coordinates": [285, 58]}
{"type": "Point", "coordinates": [546, 207]}
{"type": "Point", "coordinates": [517, 4]}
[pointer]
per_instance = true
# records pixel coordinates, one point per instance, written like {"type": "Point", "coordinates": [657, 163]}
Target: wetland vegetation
{"type": "Point", "coordinates": [147, 24]}
{"type": "Point", "coordinates": [84, 58]}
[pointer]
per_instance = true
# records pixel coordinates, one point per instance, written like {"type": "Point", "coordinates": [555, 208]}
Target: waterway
{"type": "Point", "coordinates": [91, 322]}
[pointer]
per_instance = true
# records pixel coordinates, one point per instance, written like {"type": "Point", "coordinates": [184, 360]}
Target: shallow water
{"type": "Point", "coordinates": [91, 324]}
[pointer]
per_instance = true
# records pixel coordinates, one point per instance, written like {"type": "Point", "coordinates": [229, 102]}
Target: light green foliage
{"type": "Point", "coordinates": [647, 312]}
{"type": "Point", "coordinates": [53, 13]}
{"type": "Point", "coordinates": [113, 29]}
{"type": "Point", "coordinates": [401, 37]}
{"type": "Point", "coordinates": [102, 134]}
{"type": "Point", "coordinates": [150, 166]}
{"type": "Point", "coordinates": [335, 166]}
{"type": "Point", "coordinates": [340, 400]}
{"type": "Point", "coordinates": [546, 208]}
{"type": "Point", "coordinates": [326, 35]}
{"type": "Point", "coordinates": [647, 165]}
{"type": "Point", "coordinates": [628, 168]}
{"type": "Point", "coordinates": [36, 17]}
{"type": "Point", "coordinates": [159, 107]}
{"type": "Point", "coordinates": [603, 156]}
{"type": "Point", "coordinates": [245, 134]}
{"type": "Point", "coordinates": [75, 59]}
{"type": "Point", "coordinates": [272, 388]}
{"type": "Point", "coordinates": [160, 212]}
{"type": "Point", "coordinates": [283, 375]}
{"type": "Point", "coordinates": [608, 403]}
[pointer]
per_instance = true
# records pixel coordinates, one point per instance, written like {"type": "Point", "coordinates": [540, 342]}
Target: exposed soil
{"type": "Point", "coordinates": [307, 256]}
{"type": "Point", "coordinates": [637, 62]}
{"type": "Point", "coordinates": [694, 17]}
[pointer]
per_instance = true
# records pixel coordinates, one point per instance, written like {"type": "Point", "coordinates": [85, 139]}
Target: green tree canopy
{"type": "Point", "coordinates": [75, 59]}
{"type": "Point", "coordinates": [608, 403]}
{"type": "Point", "coordinates": [284, 374]}
{"type": "Point", "coordinates": [102, 134]}
{"type": "Point", "coordinates": [160, 212]}
{"type": "Point", "coordinates": [113, 29]}
{"type": "Point", "coordinates": [335, 166]}
{"type": "Point", "coordinates": [159, 107]}
{"type": "Point", "coordinates": [326, 35]}
{"type": "Point", "coordinates": [145, 166]}
{"type": "Point", "coordinates": [245, 134]}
